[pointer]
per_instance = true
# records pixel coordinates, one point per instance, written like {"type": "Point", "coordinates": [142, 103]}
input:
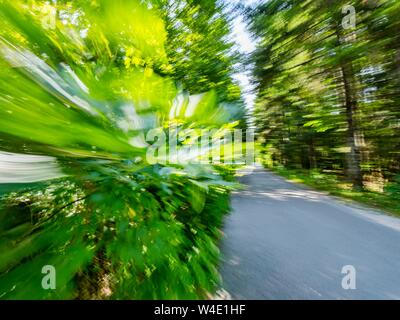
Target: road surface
{"type": "Point", "coordinates": [285, 241]}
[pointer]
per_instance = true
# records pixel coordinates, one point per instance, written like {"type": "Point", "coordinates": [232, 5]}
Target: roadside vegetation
{"type": "Point", "coordinates": [387, 201]}
{"type": "Point", "coordinates": [83, 84]}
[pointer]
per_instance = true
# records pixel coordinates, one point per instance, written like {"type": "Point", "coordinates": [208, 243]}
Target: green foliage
{"type": "Point", "coordinates": [84, 91]}
{"type": "Point", "coordinates": [393, 188]}
{"type": "Point", "coordinates": [200, 51]}
{"type": "Point", "coordinates": [143, 235]}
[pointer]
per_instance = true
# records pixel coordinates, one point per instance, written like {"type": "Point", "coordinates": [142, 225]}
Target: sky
{"type": "Point", "coordinates": [245, 45]}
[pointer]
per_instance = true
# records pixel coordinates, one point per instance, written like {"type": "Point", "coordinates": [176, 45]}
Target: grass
{"type": "Point", "coordinates": [331, 184]}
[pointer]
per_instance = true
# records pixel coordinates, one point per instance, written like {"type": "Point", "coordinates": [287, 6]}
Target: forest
{"type": "Point", "coordinates": [88, 86]}
{"type": "Point", "coordinates": [327, 82]}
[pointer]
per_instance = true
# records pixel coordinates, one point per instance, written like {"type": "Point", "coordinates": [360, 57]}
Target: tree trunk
{"type": "Point", "coordinates": [311, 155]}
{"type": "Point", "coordinates": [353, 158]}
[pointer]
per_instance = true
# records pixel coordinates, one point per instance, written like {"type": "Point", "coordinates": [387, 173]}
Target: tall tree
{"type": "Point", "coordinates": [200, 50]}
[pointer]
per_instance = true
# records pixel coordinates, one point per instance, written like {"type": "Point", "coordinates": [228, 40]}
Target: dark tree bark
{"type": "Point", "coordinates": [350, 103]}
{"type": "Point", "coordinates": [312, 156]}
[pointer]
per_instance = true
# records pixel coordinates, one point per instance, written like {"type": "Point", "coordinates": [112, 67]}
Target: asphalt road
{"type": "Point", "coordinates": [284, 241]}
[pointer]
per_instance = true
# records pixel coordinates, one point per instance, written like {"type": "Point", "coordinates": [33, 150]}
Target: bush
{"type": "Point", "coordinates": [111, 223]}
{"type": "Point", "coordinates": [393, 188]}
{"type": "Point", "coordinates": [151, 235]}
